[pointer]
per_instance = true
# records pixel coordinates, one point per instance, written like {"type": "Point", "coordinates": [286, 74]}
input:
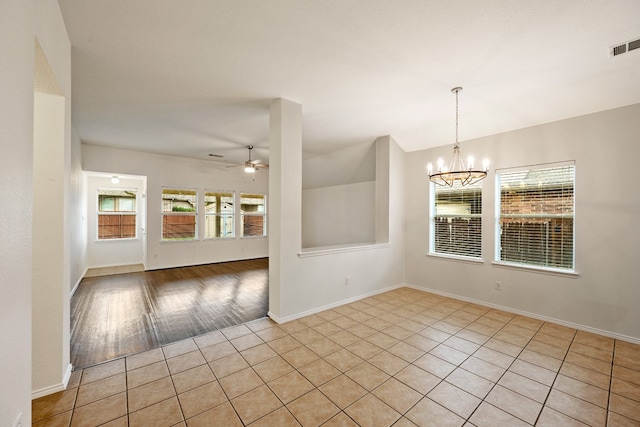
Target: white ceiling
{"type": "Point", "coordinates": [195, 77]}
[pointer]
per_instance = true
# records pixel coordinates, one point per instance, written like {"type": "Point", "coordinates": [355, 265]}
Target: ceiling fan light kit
{"type": "Point", "coordinates": [251, 166]}
{"type": "Point", "coordinates": [457, 172]}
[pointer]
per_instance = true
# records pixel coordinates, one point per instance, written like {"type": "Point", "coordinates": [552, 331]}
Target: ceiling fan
{"type": "Point", "coordinates": [250, 166]}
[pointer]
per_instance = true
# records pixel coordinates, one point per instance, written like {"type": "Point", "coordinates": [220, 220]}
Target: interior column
{"type": "Point", "coordinates": [285, 200]}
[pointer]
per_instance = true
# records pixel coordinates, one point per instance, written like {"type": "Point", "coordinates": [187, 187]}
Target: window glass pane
{"type": "Point", "coordinates": [178, 227]}
{"type": "Point", "coordinates": [218, 202]}
{"type": "Point", "coordinates": [179, 200]}
{"type": "Point", "coordinates": [219, 219]}
{"type": "Point", "coordinates": [456, 220]}
{"type": "Point", "coordinates": [536, 223]}
{"type": "Point", "coordinates": [126, 204]}
{"type": "Point", "coordinates": [219, 226]}
{"type": "Point", "coordinates": [116, 200]}
{"type": "Point", "coordinates": [253, 225]}
{"type": "Point", "coordinates": [253, 215]}
{"type": "Point", "coordinates": [252, 203]}
{"type": "Point", "coordinates": [106, 203]}
{"type": "Point", "coordinates": [179, 209]}
{"type": "Point", "coordinates": [119, 226]}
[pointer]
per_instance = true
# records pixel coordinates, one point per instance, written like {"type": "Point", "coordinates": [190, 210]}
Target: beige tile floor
{"type": "Point", "coordinates": [402, 358]}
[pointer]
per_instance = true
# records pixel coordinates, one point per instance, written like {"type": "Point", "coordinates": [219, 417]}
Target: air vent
{"type": "Point", "coordinates": [216, 155]}
{"type": "Point", "coordinates": [624, 47]}
{"type": "Point", "coordinates": [619, 50]}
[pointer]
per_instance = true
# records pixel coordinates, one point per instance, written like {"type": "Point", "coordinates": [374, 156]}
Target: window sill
{"type": "Point", "coordinates": [535, 269]}
{"type": "Point", "coordinates": [125, 239]}
{"type": "Point", "coordinates": [340, 249]}
{"type": "Point", "coordinates": [457, 258]}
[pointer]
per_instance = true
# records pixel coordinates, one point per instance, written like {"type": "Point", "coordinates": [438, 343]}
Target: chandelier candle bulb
{"type": "Point", "coordinates": [429, 168]}
{"type": "Point", "coordinates": [485, 165]}
{"type": "Point", "coordinates": [470, 162]}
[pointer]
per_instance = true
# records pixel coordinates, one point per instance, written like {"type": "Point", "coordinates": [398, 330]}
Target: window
{"type": "Point", "coordinates": [456, 220]}
{"type": "Point", "coordinates": [536, 216]}
{"type": "Point", "coordinates": [116, 214]}
{"type": "Point", "coordinates": [218, 215]}
{"type": "Point", "coordinates": [253, 215]}
{"type": "Point", "coordinates": [179, 214]}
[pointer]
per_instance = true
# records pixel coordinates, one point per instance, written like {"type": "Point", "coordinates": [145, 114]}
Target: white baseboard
{"type": "Point", "coordinates": [332, 305]}
{"type": "Point", "coordinates": [528, 314]}
{"type": "Point", "coordinates": [54, 388]}
{"type": "Point", "coordinates": [75, 287]}
{"type": "Point", "coordinates": [118, 264]}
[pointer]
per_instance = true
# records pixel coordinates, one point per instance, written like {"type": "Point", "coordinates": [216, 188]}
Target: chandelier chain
{"type": "Point", "coordinates": [457, 117]}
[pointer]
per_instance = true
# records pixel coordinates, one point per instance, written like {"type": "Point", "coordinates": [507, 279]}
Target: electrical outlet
{"type": "Point", "coordinates": [347, 280]}
{"type": "Point", "coordinates": [498, 285]}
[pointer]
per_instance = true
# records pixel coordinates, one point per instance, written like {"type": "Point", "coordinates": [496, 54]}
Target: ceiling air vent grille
{"type": "Point", "coordinates": [624, 47]}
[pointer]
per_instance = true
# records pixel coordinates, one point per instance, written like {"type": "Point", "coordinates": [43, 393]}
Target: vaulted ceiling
{"type": "Point", "coordinates": [189, 78]}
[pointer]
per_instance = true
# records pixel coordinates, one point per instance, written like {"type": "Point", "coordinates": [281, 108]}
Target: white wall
{"type": "Point", "coordinates": [300, 284]}
{"type": "Point", "coordinates": [77, 215]}
{"type": "Point", "coordinates": [319, 281]}
{"type": "Point", "coordinates": [605, 294]}
{"type": "Point", "coordinates": [347, 166]}
{"type": "Point", "coordinates": [338, 215]}
{"type": "Point", "coordinates": [51, 365]}
{"type": "Point", "coordinates": [50, 297]}
{"type": "Point", "coordinates": [21, 23]}
{"type": "Point", "coordinates": [17, 31]}
{"type": "Point", "coordinates": [167, 171]}
{"type": "Point", "coordinates": [108, 253]}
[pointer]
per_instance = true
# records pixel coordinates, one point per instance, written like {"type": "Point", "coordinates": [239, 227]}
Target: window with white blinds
{"type": "Point", "coordinates": [536, 216]}
{"type": "Point", "coordinates": [456, 220]}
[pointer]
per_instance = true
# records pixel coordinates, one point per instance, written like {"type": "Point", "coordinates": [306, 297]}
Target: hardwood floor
{"type": "Point", "coordinates": [117, 315]}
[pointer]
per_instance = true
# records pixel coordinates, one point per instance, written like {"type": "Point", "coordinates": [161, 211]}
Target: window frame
{"type": "Point", "coordinates": [194, 213]}
{"type": "Point", "coordinates": [532, 265]}
{"type": "Point", "coordinates": [232, 214]}
{"type": "Point", "coordinates": [116, 212]}
{"type": "Point", "coordinates": [433, 215]}
{"type": "Point", "coordinates": [243, 214]}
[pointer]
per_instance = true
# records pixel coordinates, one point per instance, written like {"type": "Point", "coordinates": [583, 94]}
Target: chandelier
{"type": "Point", "coordinates": [447, 176]}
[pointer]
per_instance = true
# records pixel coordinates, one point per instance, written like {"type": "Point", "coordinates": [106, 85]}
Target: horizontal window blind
{"type": "Point", "coordinates": [536, 221]}
{"type": "Point", "coordinates": [456, 220]}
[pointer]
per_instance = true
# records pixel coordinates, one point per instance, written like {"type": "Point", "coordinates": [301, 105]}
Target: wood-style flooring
{"type": "Point", "coordinates": [122, 314]}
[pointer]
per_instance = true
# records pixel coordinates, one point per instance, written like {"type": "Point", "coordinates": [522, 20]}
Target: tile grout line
{"type": "Point", "coordinates": [505, 371]}
{"type": "Point", "coordinates": [544, 404]}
